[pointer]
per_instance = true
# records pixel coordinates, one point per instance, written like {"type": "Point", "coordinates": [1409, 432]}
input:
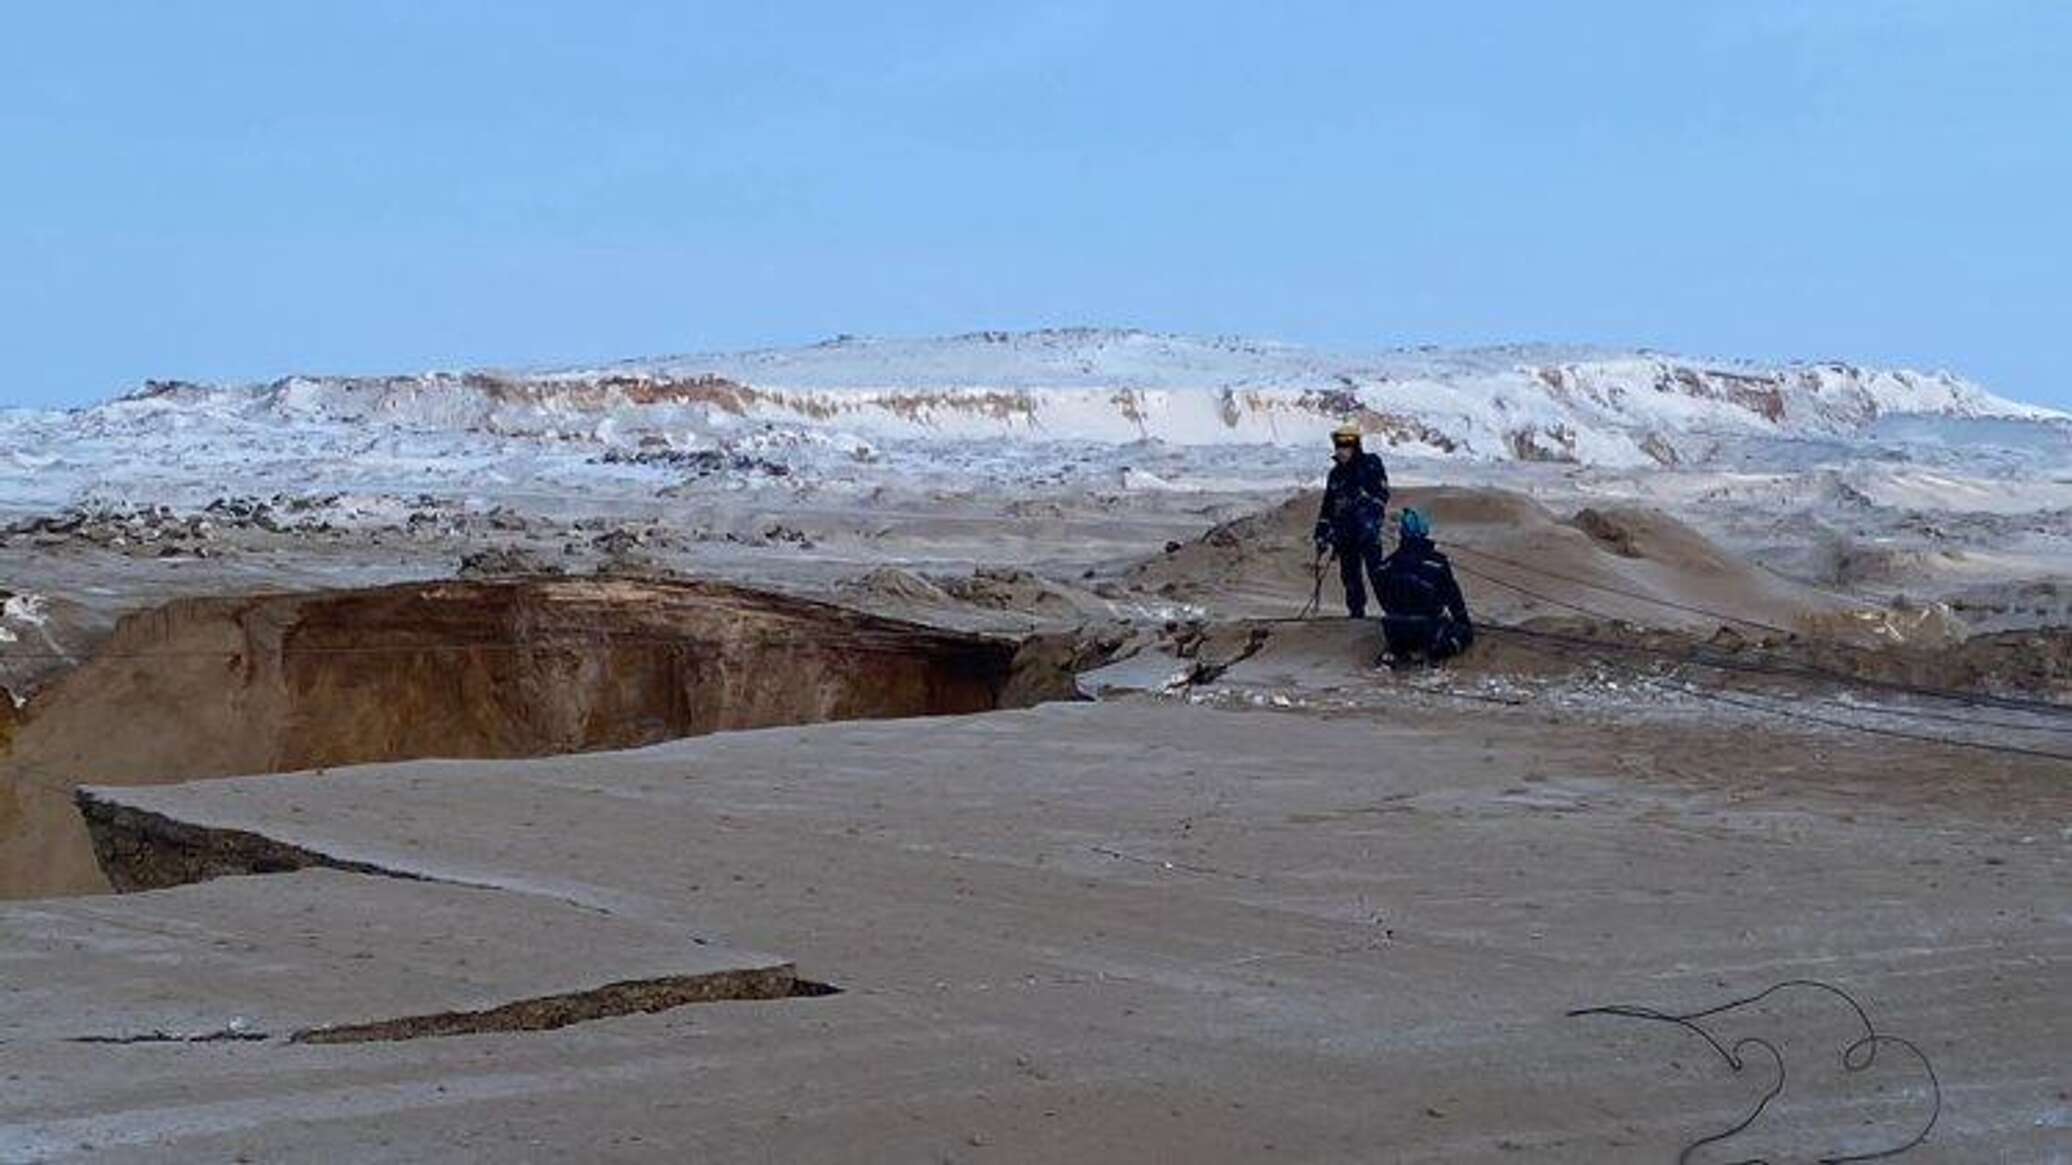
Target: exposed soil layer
{"type": "Point", "coordinates": [529, 667]}
{"type": "Point", "coordinates": [137, 850]}
{"type": "Point", "coordinates": [554, 1011]}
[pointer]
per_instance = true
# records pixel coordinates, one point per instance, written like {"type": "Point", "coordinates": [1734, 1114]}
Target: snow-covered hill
{"type": "Point", "coordinates": [1512, 402]}
{"type": "Point", "coordinates": [863, 400]}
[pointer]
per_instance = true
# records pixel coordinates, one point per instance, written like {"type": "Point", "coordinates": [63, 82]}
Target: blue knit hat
{"type": "Point", "coordinates": [1415, 526]}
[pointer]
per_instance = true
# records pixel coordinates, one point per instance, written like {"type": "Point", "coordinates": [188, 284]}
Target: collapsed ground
{"type": "Point", "coordinates": [1617, 609]}
{"type": "Point", "coordinates": [1106, 931]}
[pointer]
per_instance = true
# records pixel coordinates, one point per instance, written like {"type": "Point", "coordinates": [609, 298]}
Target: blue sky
{"type": "Point", "coordinates": [237, 190]}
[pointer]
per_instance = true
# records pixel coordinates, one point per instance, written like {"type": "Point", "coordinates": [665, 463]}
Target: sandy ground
{"type": "Point", "coordinates": [1149, 931]}
{"type": "Point", "coordinates": [1286, 906]}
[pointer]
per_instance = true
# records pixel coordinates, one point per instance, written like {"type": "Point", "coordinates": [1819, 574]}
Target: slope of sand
{"type": "Point", "coordinates": [1116, 933]}
{"type": "Point", "coordinates": [1516, 560]}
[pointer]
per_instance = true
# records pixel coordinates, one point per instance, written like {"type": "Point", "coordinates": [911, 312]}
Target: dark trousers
{"type": "Point", "coordinates": [1434, 637]}
{"type": "Point", "coordinates": [1353, 558]}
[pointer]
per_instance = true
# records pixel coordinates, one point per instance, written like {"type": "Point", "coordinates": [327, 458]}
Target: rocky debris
{"type": "Point", "coordinates": [60, 524]}
{"type": "Point", "coordinates": [779, 533]}
{"type": "Point", "coordinates": [146, 530]}
{"type": "Point", "coordinates": [505, 518]}
{"type": "Point", "coordinates": [625, 552]}
{"type": "Point", "coordinates": [496, 541]}
{"type": "Point", "coordinates": [269, 513]}
{"type": "Point", "coordinates": [228, 522]}
{"type": "Point", "coordinates": [620, 541]}
{"type": "Point", "coordinates": [697, 462]}
{"type": "Point", "coordinates": [504, 562]}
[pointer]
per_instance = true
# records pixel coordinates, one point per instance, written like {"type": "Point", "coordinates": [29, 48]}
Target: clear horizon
{"type": "Point", "coordinates": [235, 192]}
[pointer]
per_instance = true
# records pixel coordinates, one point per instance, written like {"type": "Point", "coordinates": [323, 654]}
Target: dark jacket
{"type": "Point", "coordinates": [1418, 580]}
{"type": "Point", "coordinates": [1356, 498]}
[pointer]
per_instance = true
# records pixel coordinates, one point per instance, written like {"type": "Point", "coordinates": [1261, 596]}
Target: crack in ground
{"type": "Point", "coordinates": [161, 1036]}
{"type": "Point", "coordinates": [141, 850]}
{"type": "Point", "coordinates": [538, 1013]}
{"type": "Point", "coordinates": [547, 1012]}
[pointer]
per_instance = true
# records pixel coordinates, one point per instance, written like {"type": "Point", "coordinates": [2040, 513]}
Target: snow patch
{"type": "Point", "coordinates": [1022, 408]}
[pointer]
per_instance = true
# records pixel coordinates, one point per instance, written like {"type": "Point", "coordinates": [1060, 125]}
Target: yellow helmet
{"type": "Point", "coordinates": [1346, 434]}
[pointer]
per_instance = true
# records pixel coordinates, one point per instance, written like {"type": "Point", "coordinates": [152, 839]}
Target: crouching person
{"type": "Point", "coordinates": [1426, 616]}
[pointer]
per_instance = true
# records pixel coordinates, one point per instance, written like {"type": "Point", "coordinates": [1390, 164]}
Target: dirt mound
{"type": "Point", "coordinates": [213, 687]}
{"type": "Point", "coordinates": [1631, 532]}
{"type": "Point", "coordinates": [1452, 507]}
{"type": "Point", "coordinates": [1257, 562]}
{"type": "Point", "coordinates": [1516, 560]}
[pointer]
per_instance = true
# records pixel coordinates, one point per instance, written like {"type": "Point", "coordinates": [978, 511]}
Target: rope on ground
{"type": "Point", "coordinates": [1973, 699]}
{"type": "Point", "coordinates": [1858, 1056]}
{"type": "Point", "coordinates": [1718, 663]}
{"type": "Point", "coordinates": [1635, 595]}
{"type": "Point", "coordinates": [1926, 738]}
{"type": "Point", "coordinates": [1807, 717]}
{"type": "Point", "coordinates": [1979, 698]}
{"type": "Point", "coordinates": [1868, 729]}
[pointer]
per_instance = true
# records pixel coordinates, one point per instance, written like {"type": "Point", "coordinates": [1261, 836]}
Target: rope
{"type": "Point", "coordinates": [1316, 590]}
{"type": "Point", "coordinates": [1872, 729]}
{"type": "Point", "coordinates": [1857, 1056]}
{"type": "Point", "coordinates": [1697, 659]}
{"type": "Point", "coordinates": [2010, 702]}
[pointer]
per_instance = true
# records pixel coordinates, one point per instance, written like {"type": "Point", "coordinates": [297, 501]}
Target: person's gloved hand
{"type": "Point", "coordinates": [1322, 537]}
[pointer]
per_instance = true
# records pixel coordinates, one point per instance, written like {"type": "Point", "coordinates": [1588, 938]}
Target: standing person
{"type": "Point", "coordinates": [1427, 617]}
{"type": "Point", "coordinates": [1356, 499]}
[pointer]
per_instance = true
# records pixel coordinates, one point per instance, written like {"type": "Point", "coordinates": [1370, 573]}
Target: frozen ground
{"type": "Point", "coordinates": [1055, 452]}
{"type": "Point", "coordinates": [1260, 900]}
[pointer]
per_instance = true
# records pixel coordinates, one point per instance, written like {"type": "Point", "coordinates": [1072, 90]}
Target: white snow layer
{"type": "Point", "coordinates": [909, 402]}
